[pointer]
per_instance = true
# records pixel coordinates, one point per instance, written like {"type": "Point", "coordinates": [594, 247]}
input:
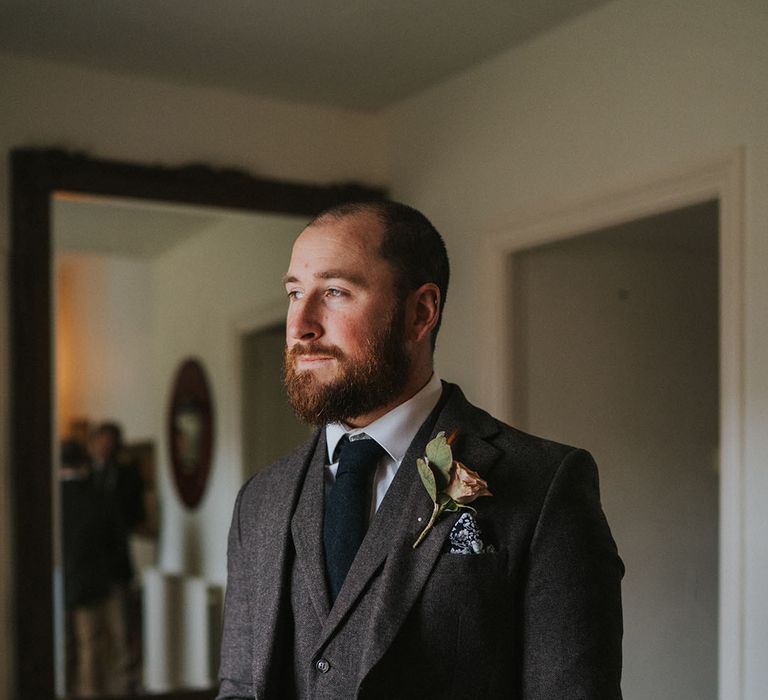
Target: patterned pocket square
{"type": "Point", "coordinates": [466, 537]}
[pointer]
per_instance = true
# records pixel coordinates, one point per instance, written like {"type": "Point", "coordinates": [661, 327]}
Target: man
{"type": "Point", "coordinates": [118, 483]}
{"type": "Point", "coordinates": [86, 536]}
{"type": "Point", "coordinates": [520, 599]}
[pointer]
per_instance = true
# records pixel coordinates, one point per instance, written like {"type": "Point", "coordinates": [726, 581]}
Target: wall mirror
{"type": "Point", "coordinates": [54, 196]}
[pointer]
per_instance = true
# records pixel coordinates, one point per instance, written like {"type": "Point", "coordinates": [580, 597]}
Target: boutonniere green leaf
{"type": "Point", "coordinates": [450, 484]}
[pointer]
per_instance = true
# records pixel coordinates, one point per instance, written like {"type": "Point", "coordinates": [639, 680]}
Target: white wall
{"type": "Point", "coordinates": [631, 91]}
{"type": "Point", "coordinates": [104, 341]}
{"type": "Point", "coordinates": [137, 119]}
{"type": "Point", "coordinates": [48, 104]}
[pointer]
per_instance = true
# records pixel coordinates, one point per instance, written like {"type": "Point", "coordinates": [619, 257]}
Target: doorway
{"type": "Point", "coordinates": [269, 427]}
{"type": "Point", "coordinates": [616, 348]}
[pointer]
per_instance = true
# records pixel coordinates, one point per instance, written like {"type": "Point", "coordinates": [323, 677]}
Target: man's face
{"type": "Point", "coordinates": [345, 349]}
{"type": "Point", "coordinates": [101, 445]}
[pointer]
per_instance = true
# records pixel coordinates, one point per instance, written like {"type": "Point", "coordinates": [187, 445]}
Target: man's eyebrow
{"type": "Point", "coordinates": [351, 277]}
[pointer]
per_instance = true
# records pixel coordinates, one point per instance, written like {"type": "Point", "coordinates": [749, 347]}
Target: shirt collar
{"type": "Point", "coordinates": [395, 430]}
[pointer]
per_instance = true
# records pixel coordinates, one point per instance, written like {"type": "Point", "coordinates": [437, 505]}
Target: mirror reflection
{"type": "Point", "coordinates": [139, 288]}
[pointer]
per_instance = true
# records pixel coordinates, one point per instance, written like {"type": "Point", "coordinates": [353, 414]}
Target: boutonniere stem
{"type": "Point", "coordinates": [451, 485]}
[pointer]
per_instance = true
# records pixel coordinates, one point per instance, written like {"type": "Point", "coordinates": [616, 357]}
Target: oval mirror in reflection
{"type": "Point", "coordinates": [190, 431]}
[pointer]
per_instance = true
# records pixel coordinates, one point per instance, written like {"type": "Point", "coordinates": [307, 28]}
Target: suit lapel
{"type": "Point", "coordinates": [407, 569]}
{"type": "Point", "coordinates": [396, 526]}
{"type": "Point", "coordinates": [307, 531]}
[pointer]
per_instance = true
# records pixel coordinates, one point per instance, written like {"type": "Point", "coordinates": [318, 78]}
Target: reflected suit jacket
{"type": "Point", "coordinates": [539, 617]}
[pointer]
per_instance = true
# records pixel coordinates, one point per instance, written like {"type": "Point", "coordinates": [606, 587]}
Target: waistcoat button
{"type": "Point", "coordinates": [323, 666]}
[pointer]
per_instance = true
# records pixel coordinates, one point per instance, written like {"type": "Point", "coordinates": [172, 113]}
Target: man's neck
{"type": "Point", "coordinates": [412, 387]}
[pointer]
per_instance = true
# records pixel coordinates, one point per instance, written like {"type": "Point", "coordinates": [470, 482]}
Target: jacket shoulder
{"type": "Point", "coordinates": [525, 464]}
{"type": "Point", "coordinates": [510, 440]}
{"type": "Point", "coordinates": [516, 441]}
{"type": "Point", "coordinates": [279, 475]}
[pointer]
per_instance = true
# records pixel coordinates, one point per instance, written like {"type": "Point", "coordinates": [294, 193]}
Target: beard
{"type": "Point", "coordinates": [362, 385]}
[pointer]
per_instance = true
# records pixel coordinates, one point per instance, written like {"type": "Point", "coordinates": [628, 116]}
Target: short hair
{"type": "Point", "coordinates": [114, 430]}
{"type": "Point", "coordinates": [410, 244]}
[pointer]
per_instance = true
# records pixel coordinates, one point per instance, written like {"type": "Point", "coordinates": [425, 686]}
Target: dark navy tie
{"type": "Point", "coordinates": [347, 507]}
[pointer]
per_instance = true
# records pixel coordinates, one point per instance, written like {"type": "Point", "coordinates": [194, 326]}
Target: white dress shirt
{"type": "Point", "coordinates": [394, 431]}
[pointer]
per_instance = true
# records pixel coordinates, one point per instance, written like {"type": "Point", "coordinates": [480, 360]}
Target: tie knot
{"type": "Point", "coordinates": [358, 455]}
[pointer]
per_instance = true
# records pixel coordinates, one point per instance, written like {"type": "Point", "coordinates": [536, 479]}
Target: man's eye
{"type": "Point", "coordinates": [333, 292]}
{"type": "Point", "coordinates": [294, 294]}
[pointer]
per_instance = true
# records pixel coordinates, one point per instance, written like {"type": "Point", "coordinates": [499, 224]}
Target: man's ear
{"type": "Point", "coordinates": [425, 311]}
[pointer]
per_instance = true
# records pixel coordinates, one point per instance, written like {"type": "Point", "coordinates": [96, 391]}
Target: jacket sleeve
{"type": "Point", "coordinates": [235, 672]}
{"type": "Point", "coordinates": [572, 621]}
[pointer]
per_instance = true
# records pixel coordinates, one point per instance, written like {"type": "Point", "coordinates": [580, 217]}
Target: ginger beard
{"type": "Point", "coordinates": [361, 385]}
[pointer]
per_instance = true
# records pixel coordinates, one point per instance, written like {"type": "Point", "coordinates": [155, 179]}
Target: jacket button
{"type": "Point", "coordinates": [322, 665]}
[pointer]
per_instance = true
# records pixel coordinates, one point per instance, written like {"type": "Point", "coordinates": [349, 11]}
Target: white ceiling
{"type": "Point", "coordinates": [111, 226]}
{"type": "Point", "coordinates": [359, 54]}
{"type": "Point", "coordinates": [141, 229]}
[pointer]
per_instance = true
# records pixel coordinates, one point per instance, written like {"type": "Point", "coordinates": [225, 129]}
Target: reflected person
{"type": "Point", "coordinates": [86, 536]}
{"type": "Point", "coordinates": [415, 546]}
{"type": "Point", "coordinates": [119, 484]}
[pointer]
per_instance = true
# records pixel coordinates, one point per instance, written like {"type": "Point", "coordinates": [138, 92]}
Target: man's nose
{"type": "Point", "coordinates": [303, 322]}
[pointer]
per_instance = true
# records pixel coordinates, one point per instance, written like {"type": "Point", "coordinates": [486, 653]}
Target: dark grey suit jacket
{"type": "Point", "coordinates": [538, 619]}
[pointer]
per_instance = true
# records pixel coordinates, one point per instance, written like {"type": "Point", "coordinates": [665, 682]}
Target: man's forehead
{"type": "Point", "coordinates": [339, 248]}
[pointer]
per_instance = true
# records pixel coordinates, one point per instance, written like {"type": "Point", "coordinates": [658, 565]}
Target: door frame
{"type": "Point", "coordinates": [720, 178]}
{"type": "Point", "coordinates": [258, 318]}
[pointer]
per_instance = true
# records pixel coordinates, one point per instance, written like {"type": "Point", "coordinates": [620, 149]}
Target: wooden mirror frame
{"type": "Point", "coordinates": [35, 176]}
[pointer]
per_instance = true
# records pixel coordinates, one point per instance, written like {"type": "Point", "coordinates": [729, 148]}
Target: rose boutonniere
{"type": "Point", "coordinates": [451, 485]}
